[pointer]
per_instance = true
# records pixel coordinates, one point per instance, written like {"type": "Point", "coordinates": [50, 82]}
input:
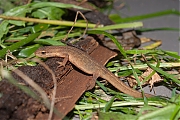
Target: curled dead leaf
{"type": "Point", "coordinates": [153, 79]}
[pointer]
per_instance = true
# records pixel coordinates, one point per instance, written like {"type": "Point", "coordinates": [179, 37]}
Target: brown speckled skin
{"type": "Point", "coordinates": [87, 64]}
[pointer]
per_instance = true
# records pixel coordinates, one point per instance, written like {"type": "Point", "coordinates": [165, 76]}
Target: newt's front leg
{"type": "Point", "coordinates": [65, 60]}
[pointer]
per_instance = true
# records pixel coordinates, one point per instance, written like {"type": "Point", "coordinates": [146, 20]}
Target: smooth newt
{"type": "Point", "coordinates": [87, 64]}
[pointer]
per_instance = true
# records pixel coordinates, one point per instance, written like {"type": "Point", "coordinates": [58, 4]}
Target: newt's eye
{"type": "Point", "coordinates": [43, 52]}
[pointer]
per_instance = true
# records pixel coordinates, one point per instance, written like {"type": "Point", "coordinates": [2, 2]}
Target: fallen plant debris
{"type": "Point", "coordinates": [27, 27]}
{"type": "Point", "coordinates": [154, 78]}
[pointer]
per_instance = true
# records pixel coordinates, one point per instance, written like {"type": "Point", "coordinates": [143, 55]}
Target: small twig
{"type": "Point", "coordinates": [9, 54]}
{"type": "Point", "coordinates": [78, 12]}
{"type": "Point", "coordinates": [55, 86]}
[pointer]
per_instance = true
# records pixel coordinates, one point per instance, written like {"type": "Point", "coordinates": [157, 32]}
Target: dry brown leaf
{"type": "Point", "coordinates": [154, 79]}
{"type": "Point", "coordinates": [132, 81]}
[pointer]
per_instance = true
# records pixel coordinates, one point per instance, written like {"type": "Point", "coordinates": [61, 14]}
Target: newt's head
{"type": "Point", "coordinates": [48, 51]}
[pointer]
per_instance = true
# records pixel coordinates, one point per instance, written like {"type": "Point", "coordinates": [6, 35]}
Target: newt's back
{"type": "Point", "coordinates": [87, 64]}
{"type": "Point", "coordinates": [77, 57]}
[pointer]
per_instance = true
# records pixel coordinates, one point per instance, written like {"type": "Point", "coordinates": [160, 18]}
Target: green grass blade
{"type": "Point", "coordinates": [112, 38]}
{"type": "Point", "coordinates": [136, 51]}
{"type": "Point", "coordinates": [164, 73]}
{"type": "Point", "coordinates": [152, 73]}
{"type": "Point", "coordinates": [162, 113]}
{"type": "Point", "coordinates": [102, 86]}
{"type": "Point", "coordinates": [109, 104]}
{"type": "Point", "coordinates": [151, 15]}
{"type": "Point", "coordinates": [176, 114]}
{"type": "Point", "coordinates": [36, 5]}
{"type": "Point", "coordinates": [17, 45]}
{"type": "Point", "coordinates": [144, 66]}
{"type": "Point", "coordinates": [157, 29]}
{"type": "Point", "coordinates": [120, 26]}
{"type": "Point", "coordinates": [172, 54]}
